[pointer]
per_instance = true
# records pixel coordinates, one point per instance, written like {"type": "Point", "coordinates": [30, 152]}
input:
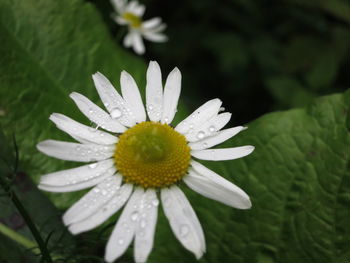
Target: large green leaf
{"type": "Point", "coordinates": [49, 49]}
{"type": "Point", "coordinates": [298, 177]}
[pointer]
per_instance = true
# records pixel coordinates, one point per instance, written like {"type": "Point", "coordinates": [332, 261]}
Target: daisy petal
{"type": "Point", "coordinates": [215, 139]}
{"type": "Point", "coordinates": [78, 130]}
{"type": "Point", "coordinates": [137, 43]}
{"type": "Point", "coordinates": [100, 216]}
{"type": "Point", "coordinates": [152, 23]}
{"type": "Point", "coordinates": [78, 178]}
{"type": "Point", "coordinates": [95, 114]}
{"type": "Point", "coordinates": [155, 37]}
{"type": "Point", "coordinates": [124, 230]}
{"type": "Point", "coordinates": [113, 102]}
{"type": "Point", "coordinates": [154, 92]}
{"type": "Point", "coordinates": [75, 151]}
{"type": "Point", "coordinates": [171, 95]}
{"type": "Point", "coordinates": [139, 10]}
{"type": "Point", "coordinates": [216, 123]}
{"type": "Point", "coordinates": [119, 5]}
{"type": "Point", "coordinates": [93, 200]}
{"type": "Point", "coordinates": [198, 117]}
{"type": "Point", "coordinates": [132, 97]}
{"type": "Point", "coordinates": [183, 220]}
{"type": "Point", "coordinates": [144, 235]}
{"type": "Point", "coordinates": [211, 185]}
{"type": "Point", "coordinates": [223, 154]}
{"type": "Point", "coordinates": [127, 42]}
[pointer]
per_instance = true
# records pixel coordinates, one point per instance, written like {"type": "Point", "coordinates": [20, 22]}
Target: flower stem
{"type": "Point", "coordinates": [41, 244]}
{"type": "Point", "coordinates": [6, 231]}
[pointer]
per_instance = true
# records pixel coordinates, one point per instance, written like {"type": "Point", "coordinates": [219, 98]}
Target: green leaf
{"type": "Point", "coordinates": [49, 49]}
{"type": "Point", "coordinates": [299, 181]}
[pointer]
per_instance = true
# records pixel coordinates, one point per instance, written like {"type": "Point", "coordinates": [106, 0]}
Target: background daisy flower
{"type": "Point", "coordinates": [141, 159]}
{"type": "Point", "coordinates": [130, 14]}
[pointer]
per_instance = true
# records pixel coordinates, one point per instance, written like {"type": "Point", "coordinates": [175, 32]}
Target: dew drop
{"type": "Point", "coordinates": [106, 104]}
{"type": "Point", "coordinates": [212, 128]}
{"type": "Point", "coordinates": [93, 165]}
{"type": "Point", "coordinates": [150, 107]}
{"type": "Point", "coordinates": [134, 216]}
{"type": "Point", "coordinates": [155, 202]}
{"type": "Point", "coordinates": [91, 111]}
{"type": "Point", "coordinates": [205, 144]}
{"type": "Point", "coordinates": [97, 190]}
{"type": "Point", "coordinates": [143, 223]}
{"type": "Point", "coordinates": [200, 135]}
{"type": "Point", "coordinates": [166, 119]}
{"type": "Point", "coordinates": [116, 113]}
{"type": "Point", "coordinates": [184, 230]}
{"type": "Point", "coordinates": [120, 241]}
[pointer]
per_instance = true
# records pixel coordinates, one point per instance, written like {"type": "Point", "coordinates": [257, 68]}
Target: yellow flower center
{"type": "Point", "coordinates": [133, 20]}
{"type": "Point", "coordinates": [152, 154]}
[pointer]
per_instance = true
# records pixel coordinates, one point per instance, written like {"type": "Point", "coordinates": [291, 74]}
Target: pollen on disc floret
{"type": "Point", "coordinates": [152, 154]}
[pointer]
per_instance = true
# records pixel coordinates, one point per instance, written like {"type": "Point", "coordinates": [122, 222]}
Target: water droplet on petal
{"type": "Point", "coordinates": [155, 202]}
{"type": "Point", "coordinates": [93, 165]}
{"type": "Point", "coordinates": [134, 216]}
{"type": "Point", "coordinates": [96, 190]}
{"type": "Point", "coordinates": [116, 113]}
{"type": "Point", "coordinates": [143, 223]}
{"type": "Point", "coordinates": [150, 107]}
{"type": "Point", "coordinates": [120, 241]}
{"type": "Point", "coordinates": [212, 128]}
{"type": "Point", "coordinates": [184, 230]}
{"type": "Point", "coordinates": [200, 135]}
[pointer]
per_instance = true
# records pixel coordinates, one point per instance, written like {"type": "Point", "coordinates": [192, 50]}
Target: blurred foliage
{"type": "Point", "coordinates": [257, 57]}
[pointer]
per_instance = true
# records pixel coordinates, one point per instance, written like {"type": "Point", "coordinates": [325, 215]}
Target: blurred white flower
{"type": "Point", "coordinates": [141, 160]}
{"type": "Point", "coordinates": [130, 14]}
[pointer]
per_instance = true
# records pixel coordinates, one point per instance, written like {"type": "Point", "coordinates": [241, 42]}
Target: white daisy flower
{"type": "Point", "coordinates": [130, 14]}
{"type": "Point", "coordinates": [140, 159]}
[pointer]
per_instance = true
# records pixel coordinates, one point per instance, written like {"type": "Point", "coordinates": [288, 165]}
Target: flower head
{"type": "Point", "coordinates": [130, 14]}
{"type": "Point", "coordinates": [132, 160]}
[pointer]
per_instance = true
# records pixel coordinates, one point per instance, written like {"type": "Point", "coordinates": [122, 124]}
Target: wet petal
{"type": "Point", "coordinates": [183, 220]}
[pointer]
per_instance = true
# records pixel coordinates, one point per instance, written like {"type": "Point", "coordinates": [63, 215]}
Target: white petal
{"type": "Point", "coordinates": [113, 102]}
{"type": "Point", "coordinates": [144, 235]}
{"type": "Point", "coordinates": [215, 139]}
{"type": "Point", "coordinates": [211, 185]}
{"type": "Point", "coordinates": [198, 117]}
{"type": "Point", "coordinates": [132, 6]}
{"type": "Point", "coordinates": [151, 23]}
{"type": "Point", "coordinates": [100, 216]}
{"type": "Point", "coordinates": [215, 123]}
{"type": "Point", "coordinates": [156, 29]}
{"type": "Point", "coordinates": [81, 131]}
{"type": "Point", "coordinates": [119, 20]}
{"type": "Point", "coordinates": [127, 42]}
{"type": "Point", "coordinates": [132, 97]}
{"type": "Point", "coordinates": [223, 154]}
{"type": "Point", "coordinates": [119, 5]}
{"type": "Point", "coordinates": [183, 220]}
{"type": "Point", "coordinates": [171, 95]}
{"type": "Point", "coordinates": [155, 37]}
{"type": "Point", "coordinates": [70, 151]}
{"type": "Point", "coordinates": [77, 178]}
{"type": "Point", "coordinates": [96, 114]}
{"type": "Point", "coordinates": [154, 92]}
{"type": "Point", "coordinates": [139, 10]}
{"type": "Point", "coordinates": [93, 200]}
{"type": "Point", "coordinates": [124, 230]}
{"type": "Point", "coordinates": [137, 43]}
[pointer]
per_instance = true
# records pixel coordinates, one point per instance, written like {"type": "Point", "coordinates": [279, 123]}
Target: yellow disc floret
{"type": "Point", "coordinates": [132, 19]}
{"type": "Point", "coordinates": [152, 154]}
